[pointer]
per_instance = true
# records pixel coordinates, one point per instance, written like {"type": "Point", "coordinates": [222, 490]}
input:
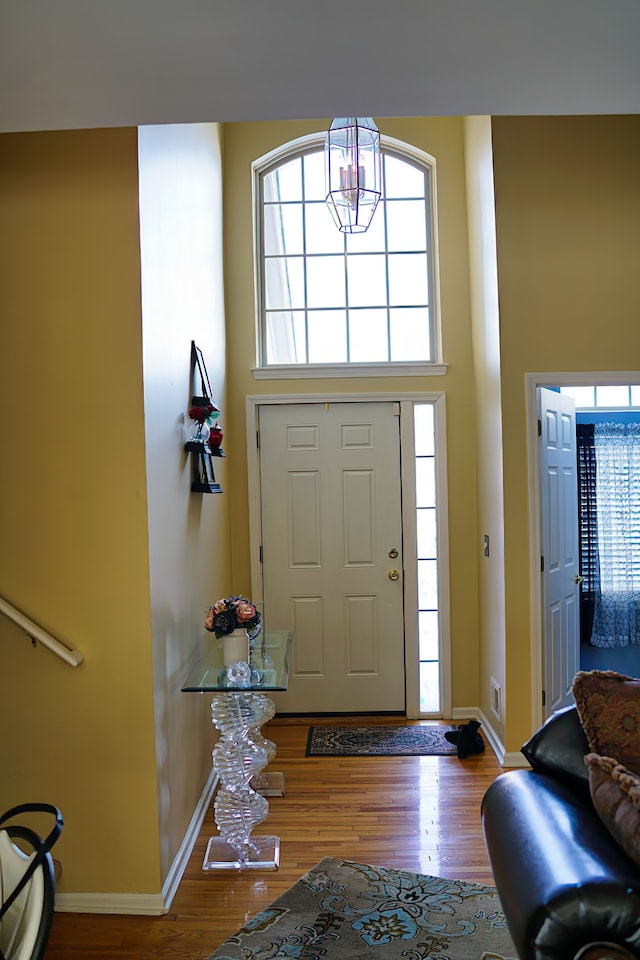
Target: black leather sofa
{"type": "Point", "coordinates": [568, 890]}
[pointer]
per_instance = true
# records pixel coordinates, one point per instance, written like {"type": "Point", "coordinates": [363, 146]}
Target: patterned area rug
{"type": "Point", "coordinates": [335, 741]}
{"type": "Point", "coordinates": [350, 911]}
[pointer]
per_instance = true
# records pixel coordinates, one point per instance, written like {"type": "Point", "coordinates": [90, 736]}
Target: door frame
{"type": "Point", "coordinates": [407, 481]}
{"type": "Point", "coordinates": [597, 378]}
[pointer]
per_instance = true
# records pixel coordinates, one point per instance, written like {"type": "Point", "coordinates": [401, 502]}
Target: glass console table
{"type": "Point", "coordinates": [238, 709]}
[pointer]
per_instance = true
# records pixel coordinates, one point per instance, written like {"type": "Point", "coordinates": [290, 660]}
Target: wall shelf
{"type": "Point", "coordinates": [201, 451]}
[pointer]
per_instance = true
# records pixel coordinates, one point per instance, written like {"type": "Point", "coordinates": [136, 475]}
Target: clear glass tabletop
{"type": "Point", "coordinates": [270, 656]}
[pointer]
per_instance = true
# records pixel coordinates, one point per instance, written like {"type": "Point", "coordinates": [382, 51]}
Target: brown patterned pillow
{"type": "Point", "coordinates": [609, 708]}
{"type": "Point", "coordinates": [615, 792]}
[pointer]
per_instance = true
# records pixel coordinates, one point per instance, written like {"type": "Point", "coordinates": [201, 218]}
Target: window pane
{"type": "Point", "coordinates": [424, 429]}
{"type": "Point", "coordinates": [368, 336]}
{"type": "Point", "coordinates": [285, 182]}
{"type": "Point", "coordinates": [614, 396]}
{"type": "Point", "coordinates": [409, 334]}
{"type": "Point", "coordinates": [327, 336]}
{"type": "Point", "coordinates": [284, 283]}
{"type": "Point", "coordinates": [378, 278]}
{"type": "Point", "coordinates": [372, 240]}
{"type": "Point", "coordinates": [428, 584]}
{"type": "Point", "coordinates": [402, 179]}
{"type": "Point", "coordinates": [367, 281]}
{"type": "Point", "coordinates": [282, 229]}
{"type": "Point", "coordinates": [428, 635]}
{"type": "Point", "coordinates": [314, 185]}
{"type": "Point", "coordinates": [583, 396]}
{"type": "Point", "coordinates": [321, 234]}
{"type": "Point", "coordinates": [406, 225]}
{"type": "Point", "coordinates": [429, 688]}
{"type": "Point", "coordinates": [425, 482]}
{"type": "Point", "coordinates": [285, 337]}
{"type": "Point", "coordinates": [408, 279]}
{"type": "Point", "coordinates": [426, 530]}
{"type": "Point", "coordinates": [325, 282]}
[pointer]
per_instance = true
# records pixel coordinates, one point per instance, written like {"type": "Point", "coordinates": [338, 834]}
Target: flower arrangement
{"type": "Point", "coordinates": [228, 614]}
{"type": "Point", "coordinates": [204, 415]}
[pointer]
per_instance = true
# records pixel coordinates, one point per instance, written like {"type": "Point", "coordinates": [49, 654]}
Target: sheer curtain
{"type": "Point", "coordinates": [615, 584]}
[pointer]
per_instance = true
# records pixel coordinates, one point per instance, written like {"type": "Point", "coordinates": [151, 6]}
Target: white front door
{"type": "Point", "coordinates": [559, 541]}
{"type": "Point", "coordinates": [332, 552]}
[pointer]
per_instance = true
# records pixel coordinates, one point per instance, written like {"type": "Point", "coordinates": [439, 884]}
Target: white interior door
{"type": "Point", "coordinates": [332, 552]}
{"type": "Point", "coordinates": [559, 541]}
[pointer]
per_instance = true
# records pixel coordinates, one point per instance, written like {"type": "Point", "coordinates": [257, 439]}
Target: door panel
{"type": "Point", "coordinates": [559, 540]}
{"type": "Point", "coordinates": [331, 512]}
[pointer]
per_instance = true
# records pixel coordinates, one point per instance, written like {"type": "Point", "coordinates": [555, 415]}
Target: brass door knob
{"type": "Point", "coordinates": [393, 553]}
{"type": "Point", "coordinates": [578, 578]}
{"type": "Point", "coordinates": [394, 575]}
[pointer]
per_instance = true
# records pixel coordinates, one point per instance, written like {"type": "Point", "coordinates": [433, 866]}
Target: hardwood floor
{"type": "Point", "coordinates": [416, 813]}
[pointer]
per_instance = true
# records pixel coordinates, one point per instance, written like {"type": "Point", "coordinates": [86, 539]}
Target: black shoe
{"type": "Point", "coordinates": [466, 738]}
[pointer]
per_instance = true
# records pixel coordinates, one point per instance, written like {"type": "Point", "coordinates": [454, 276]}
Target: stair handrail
{"type": "Point", "coordinates": [73, 657]}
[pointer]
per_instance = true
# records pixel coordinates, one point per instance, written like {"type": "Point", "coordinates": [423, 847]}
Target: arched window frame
{"type": "Point", "coordinates": [298, 148]}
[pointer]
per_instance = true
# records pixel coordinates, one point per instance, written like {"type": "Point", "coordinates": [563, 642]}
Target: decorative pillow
{"type": "Point", "coordinates": [559, 747]}
{"type": "Point", "coordinates": [609, 708]}
{"type": "Point", "coordinates": [615, 792]}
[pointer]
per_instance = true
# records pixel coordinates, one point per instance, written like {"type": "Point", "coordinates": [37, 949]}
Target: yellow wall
{"type": "Point", "coordinates": [568, 234]}
{"type": "Point", "coordinates": [73, 527]}
{"type": "Point", "coordinates": [101, 541]}
{"type": "Point", "coordinates": [442, 138]}
{"type": "Point", "coordinates": [183, 299]}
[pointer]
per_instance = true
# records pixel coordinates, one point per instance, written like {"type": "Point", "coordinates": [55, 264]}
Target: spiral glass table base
{"type": "Point", "coordinates": [264, 855]}
{"type": "Point", "coordinates": [239, 757]}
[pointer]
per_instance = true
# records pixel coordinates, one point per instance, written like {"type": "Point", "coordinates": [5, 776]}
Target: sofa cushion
{"type": "Point", "coordinates": [559, 747]}
{"type": "Point", "coordinates": [608, 704]}
{"type": "Point", "coordinates": [615, 792]}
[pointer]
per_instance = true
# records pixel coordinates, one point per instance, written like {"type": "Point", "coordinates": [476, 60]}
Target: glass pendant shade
{"type": "Point", "coordinates": [353, 172]}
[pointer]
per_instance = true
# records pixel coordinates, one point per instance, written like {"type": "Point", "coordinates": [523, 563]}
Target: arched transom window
{"type": "Point", "coordinates": [326, 299]}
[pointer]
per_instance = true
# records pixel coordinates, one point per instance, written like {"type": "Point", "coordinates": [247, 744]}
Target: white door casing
{"type": "Point", "coordinates": [559, 546]}
{"type": "Point", "coordinates": [331, 513]}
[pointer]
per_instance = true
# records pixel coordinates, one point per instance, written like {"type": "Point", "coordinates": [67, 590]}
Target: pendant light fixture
{"type": "Point", "coordinates": [353, 172]}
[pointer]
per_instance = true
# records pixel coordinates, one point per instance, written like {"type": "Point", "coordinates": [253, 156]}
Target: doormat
{"type": "Point", "coordinates": [341, 910]}
{"type": "Point", "coordinates": [410, 741]}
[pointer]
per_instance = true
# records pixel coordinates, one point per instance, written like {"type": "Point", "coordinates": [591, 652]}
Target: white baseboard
{"type": "Point", "coordinates": [181, 859]}
{"type": "Point", "coordinates": [141, 904]}
{"type": "Point", "coordinates": [504, 759]}
{"type": "Point", "coordinates": [145, 904]}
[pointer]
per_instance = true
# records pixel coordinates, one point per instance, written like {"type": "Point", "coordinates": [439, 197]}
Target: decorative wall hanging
{"type": "Point", "coordinates": [204, 436]}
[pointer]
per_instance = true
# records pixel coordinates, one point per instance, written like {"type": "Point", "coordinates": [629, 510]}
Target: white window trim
{"type": "Point", "coordinates": [301, 371]}
{"type": "Point", "coordinates": [437, 367]}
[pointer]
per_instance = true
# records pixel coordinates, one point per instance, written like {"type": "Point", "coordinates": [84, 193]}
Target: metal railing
{"type": "Point", "coordinates": [36, 633]}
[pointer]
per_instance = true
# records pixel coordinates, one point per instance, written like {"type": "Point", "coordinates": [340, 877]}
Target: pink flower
{"type": "Point", "coordinates": [245, 611]}
{"type": "Point", "coordinates": [209, 619]}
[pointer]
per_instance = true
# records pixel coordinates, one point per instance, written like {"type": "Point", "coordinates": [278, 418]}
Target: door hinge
{"type": "Point", "coordinates": [539, 428]}
{"type": "Point", "coordinates": [258, 439]}
{"type": "Point", "coordinates": [541, 564]}
{"type": "Point", "coordinates": [260, 553]}
{"type": "Point", "coordinates": [544, 698]}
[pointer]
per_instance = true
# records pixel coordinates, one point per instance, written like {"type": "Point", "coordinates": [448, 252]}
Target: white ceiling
{"type": "Point", "coordinates": [89, 63]}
